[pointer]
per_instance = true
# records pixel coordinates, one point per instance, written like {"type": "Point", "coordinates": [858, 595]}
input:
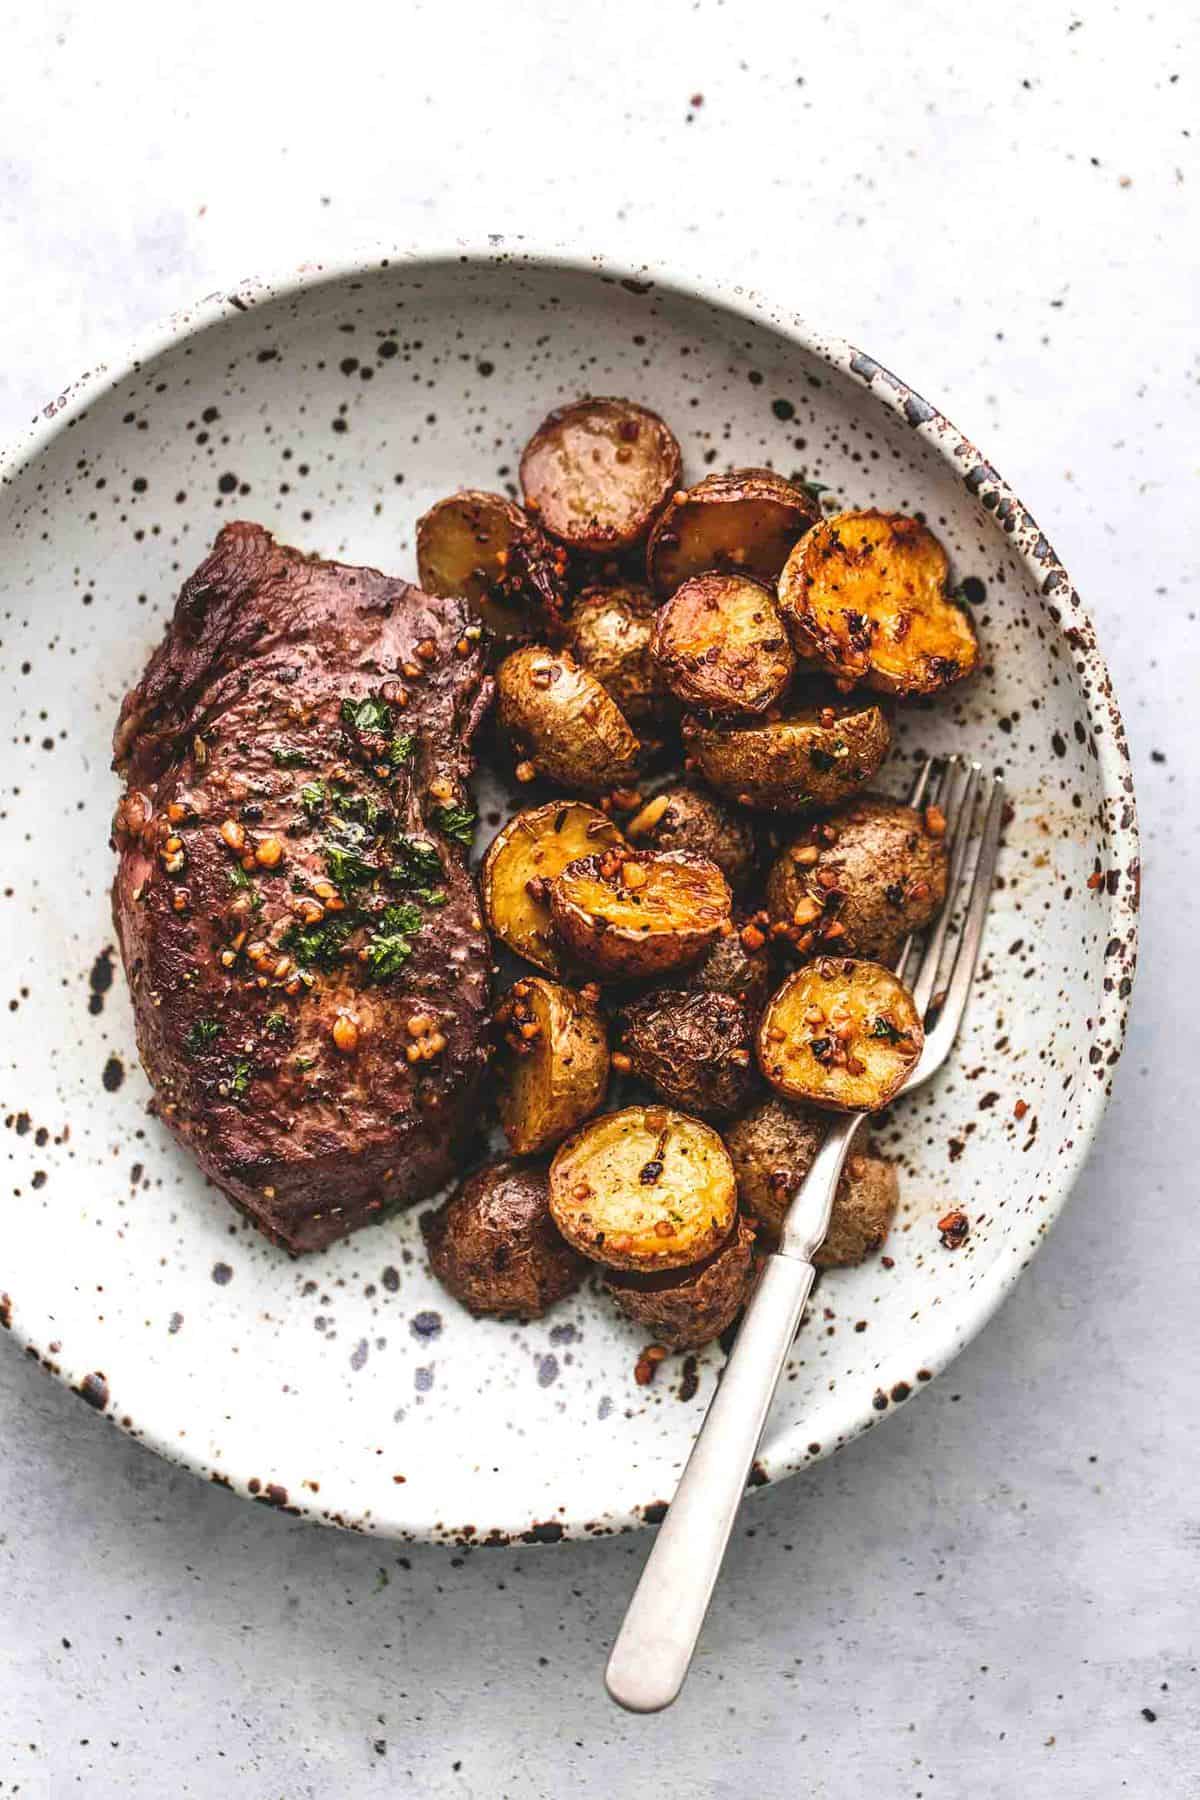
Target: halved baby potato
{"type": "Point", "coordinates": [720, 644]}
{"type": "Point", "coordinates": [747, 520]}
{"type": "Point", "coordinates": [813, 756]}
{"type": "Point", "coordinates": [483, 548]}
{"type": "Point", "coordinates": [562, 723]}
{"type": "Point", "coordinates": [644, 1188]}
{"type": "Point", "coordinates": [685, 816]}
{"type": "Point", "coordinates": [610, 636]}
{"type": "Point", "coordinates": [684, 1308]}
{"type": "Point", "coordinates": [864, 594]}
{"type": "Point", "coordinates": [634, 914]}
{"type": "Point", "coordinates": [841, 1034]}
{"type": "Point", "coordinates": [523, 859]}
{"type": "Point", "coordinates": [598, 472]}
{"type": "Point", "coordinates": [552, 1072]}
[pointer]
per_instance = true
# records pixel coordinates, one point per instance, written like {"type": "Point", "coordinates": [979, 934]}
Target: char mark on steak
{"type": "Point", "coordinates": [300, 932]}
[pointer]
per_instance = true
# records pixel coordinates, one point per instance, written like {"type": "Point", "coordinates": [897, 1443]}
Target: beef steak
{"type": "Point", "coordinates": [300, 932]}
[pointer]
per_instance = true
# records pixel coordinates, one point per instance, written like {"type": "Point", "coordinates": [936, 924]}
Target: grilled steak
{"type": "Point", "coordinates": [300, 932]}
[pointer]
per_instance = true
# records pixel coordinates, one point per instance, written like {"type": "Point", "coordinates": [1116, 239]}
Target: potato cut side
{"type": "Point", "coordinates": [482, 548]}
{"type": "Point", "coordinates": [552, 1072]}
{"type": "Point", "coordinates": [521, 862]}
{"type": "Point", "coordinates": [841, 1034]}
{"type": "Point", "coordinates": [597, 473]}
{"type": "Point", "coordinates": [633, 914]}
{"type": "Point", "coordinates": [812, 756]}
{"type": "Point", "coordinates": [562, 723]}
{"type": "Point", "coordinates": [747, 520]}
{"type": "Point", "coordinates": [610, 636]}
{"type": "Point", "coordinates": [721, 645]}
{"type": "Point", "coordinates": [644, 1188]}
{"type": "Point", "coordinates": [864, 594]}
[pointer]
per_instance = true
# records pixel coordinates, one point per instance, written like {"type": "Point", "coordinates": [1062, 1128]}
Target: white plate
{"type": "Point", "coordinates": [333, 407]}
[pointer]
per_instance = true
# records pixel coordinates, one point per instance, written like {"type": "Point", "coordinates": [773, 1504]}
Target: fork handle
{"type": "Point", "coordinates": [650, 1658]}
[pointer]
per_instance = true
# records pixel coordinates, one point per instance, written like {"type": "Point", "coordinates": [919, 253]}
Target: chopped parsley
{"type": "Point", "coordinates": [314, 796]}
{"type": "Point", "coordinates": [347, 869]}
{"type": "Point", "coordinates": [456, 823]}
{"type": "Point", "coordinates": [815, 489]}
{"type": "Point", "coordinates": [276, 1024]}
{"type": "Point", "coordinates": [239, 879]}
{"type": "Point", "coordinates": [303, 1062]}
{"type": "Point", "coordinates": [367, 715]}
{"type": "Point", "coordinates": [318, 946]}
{"type": "Point", "coordinates": [201, 1033]}
{"type": "Point", "coordinates": [390, 944]}
{"type": "Point", "coordinates": [290, 759]}
{"type": "Point", "coordinates": [417, 867]}
{"type": "Point", "coordinates": [882, 1027]}
{"type": "Point", "coordinates": [239, 1081]}
{"type": "Point", "coordinates": [401, 748]}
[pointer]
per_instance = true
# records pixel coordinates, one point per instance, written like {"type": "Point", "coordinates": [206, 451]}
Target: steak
{"type": "Point", "coordinates": [300, 932]}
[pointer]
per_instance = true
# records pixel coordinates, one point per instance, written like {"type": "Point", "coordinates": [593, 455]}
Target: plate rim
{"type": "Point", "coordinates": [786, 1454]}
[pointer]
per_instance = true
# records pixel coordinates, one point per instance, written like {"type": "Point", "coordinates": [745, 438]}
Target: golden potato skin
{"type": "Point", "coordinates": [483, 548]}
{"type": "Point", "coordinates": [631, 915]}
{"type": "Point", "coordinates": [597, 473]}
{"type": "Point", "coordinates": [493, 1244]}
{"type": "Point", "coordinates": [840, 1034]}
{"type": "Point", "coordinates": [812, 756]}
{"type": "Point", "coordinates": [644, 1188]}
{"type": "Point", "coordinates": [521, 862]}
{"type": "Point", "coordinates": [609, 635]}
{"type": "Point", "coordinates": [562, 723]}
{"type": "Point", "coordinates": [872, 870]}
{"type": "Point", "coordinates": [728, 967]}
{"type": "Point", "coordinates": [695, 1049]}
{"type": "Point", "coordinates": [552, 1063]}
{"type": "Point", "coordinates": [720, 645]}
{"type": "Point", "coordinates": [864, 594]}
{"type": "Point", "coordinates": [773, 1148]}
{"type": "Point", "coordinates": [747, 520]}
{"type": "Point", "coordinates": [684, 1308]}
{"type": "Point", "coordinates": [686, 816]}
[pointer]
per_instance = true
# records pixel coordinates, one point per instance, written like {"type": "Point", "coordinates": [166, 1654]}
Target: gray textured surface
{"type": "Point", "coordinates": [981, 1598]}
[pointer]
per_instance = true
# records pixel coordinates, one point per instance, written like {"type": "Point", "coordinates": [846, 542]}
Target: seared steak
{"type": "Point", "coordinates": [301, 935]}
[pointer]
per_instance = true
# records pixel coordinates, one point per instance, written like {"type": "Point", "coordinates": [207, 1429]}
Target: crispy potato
{"type": "Point", "coordinates": [562, 723]}
{"type": "Point", "coordinates": [814, 756]}
{"type": "Point", "coordinates": [720, 644]}
{"type": "Point", "coordinates": [644, 1188]}
{"type": "Point", "coordinates": [684, 1308]}
{"type": "Point", "coordinates": [773, 1148]}
{"type": "Point", "coordinates": [841, 1034]}
{"type": "Point", "coordinates": [597, 473]}
{"type": "Point", "coordinates": [552, 1071]}
{"type": "Point", "coordinates": [609, 635]}
{"type": "Point", "coordinates": [866, 876]}
{"type": "Point", "coordinates": [695, 1049]}
{"type": "Point", "coordinates": [864, 594]}
{"type": "Point", "coordinates": [636, 914]}
{"type": "Point", "coordinates": [728, 967]}
{"type": "Point", "coordinates": [747, 520]}
{"type": "Point", "coordinates": [484, 549]}
{"type": "Point", "coordinates": [686, 816]}
{"type": "Point", "coordinates": [523, 859]}
{"type": "Point", "coordinates": [493, 1244]}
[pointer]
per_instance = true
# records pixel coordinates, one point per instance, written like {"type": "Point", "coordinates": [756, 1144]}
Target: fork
{"type": "Point", "coordinates": [657, 1639]}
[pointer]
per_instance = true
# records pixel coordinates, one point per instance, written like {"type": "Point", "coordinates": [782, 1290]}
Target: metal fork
{"type": "Point", "coordinates": [656, 1642]}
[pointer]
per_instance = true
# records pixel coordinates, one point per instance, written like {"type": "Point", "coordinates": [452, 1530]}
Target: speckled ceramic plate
{"type": "Point", "coordinates": [333, 407]}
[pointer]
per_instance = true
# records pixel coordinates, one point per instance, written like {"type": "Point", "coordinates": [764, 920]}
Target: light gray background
{"type": "Point", "coordinates": [980, 1599]}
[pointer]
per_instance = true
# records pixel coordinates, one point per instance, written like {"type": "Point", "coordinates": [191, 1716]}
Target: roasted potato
{"type": "Point", "coordinates": [552, 1064]}
{"type": "Point", "coordinates": [484, 549]}
{"type": "Point", "coordinates": [684, 1308]}
{"type": "Point", "coordinates": [644, 1188]}
{"type": "Point", "coordinates": [695, 1049]}
{"type": "Point", "coordinates": [841, 1034]}
{"type": "Point", "coordinates": [686, 816]}
{"type": "Point", "coordinates": [864, 594]}
{"type": "Point", "coordinates": [867, 875]}
{"type": "Point", "coordinates": [719, 644]}
{"type": "Point", "coordinates": [635, 914]}
{"type": "Point", "coordinates": [598, 473]}
{"type": "Point", "coordinates": [747, 520]}
{"type": "Point", "coordinates": [813, 756]}
{"type": "Point", "coordinates": [729, 967]}
{"type": "Point", "coordinates": [773, 1148]}
{"type": "Point", "coordinates": [609, 635]}
{"type": "Point", "coordinates": [562, 723]}
{"type": "Point", "coordinates": [493, 1244]}
{"type": "Point", "coordinates": [523, 859]}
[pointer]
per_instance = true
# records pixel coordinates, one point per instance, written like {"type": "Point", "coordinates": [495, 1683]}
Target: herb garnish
{"type": "Point", "coordinates": [347, 869]}
{"type": "Point", "coordinates": [367, 715]}
{"type": "Point", "coordinates": [390, 944]}
{"type": "Point", "coordinates": [201, 1033]}
{"type": "Point", "coordinates": [318, 946]}
{"type": "Point", "coordinates": [314, 795]}
{"type": "Point", "coordinates": [882, 1027]}
{"type": "Point", "coordinates": [276, 1024]}
{"type": "Point", "coordinates": [401, 747]}
{"type": "Point", "coordinates": [290, 759]}
{"type": "Point", "coordinates": [239, 1081]}
{"type": "Point", "coordinates": [417, 865]}
{"type": "Point", "coordinates": [456, 823]}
